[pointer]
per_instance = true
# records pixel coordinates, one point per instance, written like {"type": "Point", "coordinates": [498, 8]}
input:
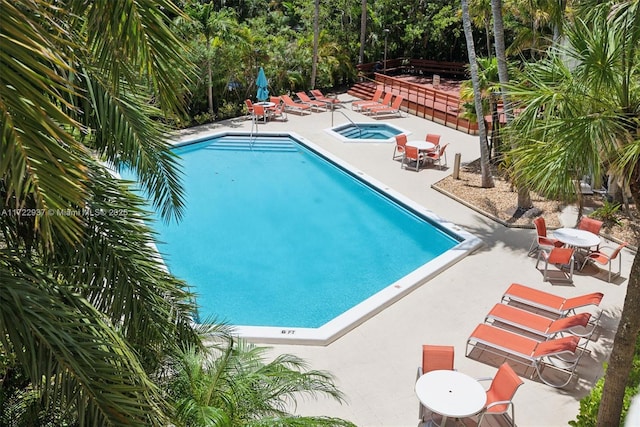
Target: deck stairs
{"type": "Point", "coordinates": [363, 90]}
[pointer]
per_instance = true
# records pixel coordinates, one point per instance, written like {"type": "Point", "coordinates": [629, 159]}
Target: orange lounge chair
{"type": "Point", "coordinates": [375, 99]}
{"type": "Point", "coordinates": [304, 98]}
{"type": "Point", "coordinates": [384, 103]}
{"type": "Point", "coordinates": [549, 302]}
{"type": "Point", "coordinates": [289, 104]}
{"type": "Point", "coordinates": [319, 96]}
{"type": "Point", "coordinates": [388, 110]}
{"type": "Point", "coordinates": [561, 354]}
{"type": "Point", "coordinates": [503, 314]}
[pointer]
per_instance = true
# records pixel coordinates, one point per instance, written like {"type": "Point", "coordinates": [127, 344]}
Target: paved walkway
{"type": "Point", "coordinates": [375, 364]}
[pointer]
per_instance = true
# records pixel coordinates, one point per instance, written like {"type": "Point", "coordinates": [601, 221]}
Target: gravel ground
{"type": "Point", "coordinates": [499, 203]}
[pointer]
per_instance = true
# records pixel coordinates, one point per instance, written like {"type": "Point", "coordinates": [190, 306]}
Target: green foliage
{"type": "Point", "coordinates": [589, 405]}
{"type": "Point", "coordinates": [608, 213]}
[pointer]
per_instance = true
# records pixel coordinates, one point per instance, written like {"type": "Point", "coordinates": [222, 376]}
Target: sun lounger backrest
{"type": "Point", "coordinates": [566, 323]}
{"type": "Point", "coordinates": [583, 301]}
{"type": "Point", "coordinates": [558, 346]}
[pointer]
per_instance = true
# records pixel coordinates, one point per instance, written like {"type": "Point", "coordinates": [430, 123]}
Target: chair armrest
{"type": "Point", "coordinates": [499, 402]}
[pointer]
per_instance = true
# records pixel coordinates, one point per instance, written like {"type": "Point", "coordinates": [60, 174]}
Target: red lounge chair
{"type": "Point", "coordinates": [550, 302]}
{"type": "Point", "coordinates": [542, 240]}
{"type": "Point", "coordinates": [391, 110]}
{"type": "Point", "coordinates": [289, 104]}
{"type": "Point", "coordinates": [577, 324]}
{"type": "Point", "coordinates": [319, 96]}
{"type": "Point", "coordinates": [366, 108]}
{"type": "Point", "coordinates": [357, 105]}
{"type": "Point", "coordinates": [561, 354]}
{"type": "Point", "coordinates": [304, 98]}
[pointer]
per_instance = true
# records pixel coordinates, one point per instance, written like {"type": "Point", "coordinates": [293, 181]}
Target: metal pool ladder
{"type": "Point", "coordinates": [352, 122]}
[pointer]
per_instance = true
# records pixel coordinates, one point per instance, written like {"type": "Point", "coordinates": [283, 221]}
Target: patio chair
{"type": "Point", "coordinates": [393, 109]}
{"type": "Point", "coordinates": [500, 393]}
{"type": "Point", "coordinates": [386, 100]}
{"type": "Point", "coordinates": [561, 354]}
{"type": "Point", "coordinates": [508, 315]}
{"type": "Point", "coordinates": [603, 258]}
{"type": "Point", "coordinates": [560, 257]}
{"type": "Point", "coordinates": [433, 138]}
{"type": "Point", "coordinates": [259, 112]}
{"type": "Point", "coordinates": [357, 105]}
{"type": "Point", "coordinates": [401, 142]}
{"type": "Point", "coordinates": [278, 112]}
{"type": "Point", "coordinates": [290, 105]}
{"type": "Point", "coordinates": [434, 357]}
{"type": "Point", "coordinates": [436, 156]}
{"type": "Point", "coordinates": [249, 105]}
{"type": "Point", "coordinates": [590, 224]}
{"type": "Point", "coordinates": [542, 240]}
{"type": "Point", "coordinates": [412, 154]}
{"type": "Point", "coordinates": [550, 303]}
{"type": "Point", "coordinates": [304, 98]}
{"type": "Point", "coordinates": [319, 96]}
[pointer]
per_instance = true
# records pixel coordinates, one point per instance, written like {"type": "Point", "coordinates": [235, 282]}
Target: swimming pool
{"type": "Point", "coordinates": [366, 132]}
{"type": "Point", "coordinates": [288, 243]}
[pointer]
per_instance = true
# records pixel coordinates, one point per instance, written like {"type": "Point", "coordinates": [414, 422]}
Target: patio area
{"type": "Point", "coordinates": [375, 364]}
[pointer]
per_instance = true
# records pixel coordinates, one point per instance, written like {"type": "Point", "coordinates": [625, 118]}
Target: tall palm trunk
{"type": "Point", "coordinates": [316, 37]}
{"type": "Point", "coordinates": [524, 195]}
{"type": "Point", "coordinates": [363, 31]}
{"type": "Point", "coordinates": [485, 169]}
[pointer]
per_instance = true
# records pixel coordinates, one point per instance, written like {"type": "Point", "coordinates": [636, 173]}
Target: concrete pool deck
{"type": "Point", "coordinates": [375, 364]}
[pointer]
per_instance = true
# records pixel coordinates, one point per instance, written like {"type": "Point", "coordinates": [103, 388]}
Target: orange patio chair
{"type": "Point", "coordinates": [401, 142]}
{"type": "Point", "coordinates": [436, 156]}
{"type": "Point", "coordinates": [319, 96]}
{"type": "Point", "coordinates": [542, 240]}
{"type": "Point", "coordinates": [590, 224]}
{"type": "Point", "coordinates": [514, 317]}
{"type": "Point", "coordinates": [356, 105]}
{"type": "Point", "coordinates": [560, 257]}
{"type": "Point", "coordinates": [603, 258]}
{"type": "Point", "coordinates": [297, 107]}
{"type": "Point", "coordinates": [560, 354]}
{"type": "Point", "coordinates": [304, 98]}
{"type": "Point", "coordinates": [500, 393]}
{"type": "Point", "coordinates": [433, 138]}
{"type": "Point", "coordinates": [551, 303]}
{"type": "Point", "coordinates": [259, 112]}
{"type": "Point", "coordinates": [249, 105]}
{"type": "Point", "coordinates": [434, 357]}
{"type": "Point", "coordinates": [412, 154]}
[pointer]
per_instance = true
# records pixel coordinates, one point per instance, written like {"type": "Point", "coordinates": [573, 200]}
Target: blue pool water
{"type": "Point", "coordinates": [275, 235]}
{"type": "Point", "coordinates": [365, 132]}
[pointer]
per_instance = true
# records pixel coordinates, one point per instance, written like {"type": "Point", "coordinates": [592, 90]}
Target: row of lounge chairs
{"type": "Point", "coordinates": [284, 103]}
{"type": "Point", "coordinates": [379, 105]}
{"type": "Point", "coordinates": [538, 329]}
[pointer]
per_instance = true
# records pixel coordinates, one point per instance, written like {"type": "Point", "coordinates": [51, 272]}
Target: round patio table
{"type": "Point", "coordinates": [451, 394]}
{"type": "Point", "coordinates": [422, 145]}
{"type": "Point", "coordinates": [576, 238]}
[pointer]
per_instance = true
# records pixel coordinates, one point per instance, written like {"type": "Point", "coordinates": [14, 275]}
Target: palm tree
{"type": "Point", "coordinates": [581, 116]}
{"type": "Point", "coordinates": [232, 383]}
{"type": "Point", "coordinates": [81, 86]}
{"type": "Point", "coordinates": [316, 38]}
{"type": "Point", "coordinates": [363, 30]}
{"type": "Point", "coordinates": [524, 196]}
{"type": "Point", "coordinates": [485, 169]}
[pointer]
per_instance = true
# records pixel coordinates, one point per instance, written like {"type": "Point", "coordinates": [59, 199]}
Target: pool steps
{"type": "Point", "coordinates": [257, 144]}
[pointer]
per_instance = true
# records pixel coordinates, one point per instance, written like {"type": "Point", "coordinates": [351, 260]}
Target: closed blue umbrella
{"type": "Point", "coordinates": [262, 83]}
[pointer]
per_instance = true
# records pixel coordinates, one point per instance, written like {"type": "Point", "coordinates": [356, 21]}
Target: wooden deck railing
{"type": "Point", "coordinates": [413, 66]}
{"type": "Point", "coordinates": [428, 103]}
